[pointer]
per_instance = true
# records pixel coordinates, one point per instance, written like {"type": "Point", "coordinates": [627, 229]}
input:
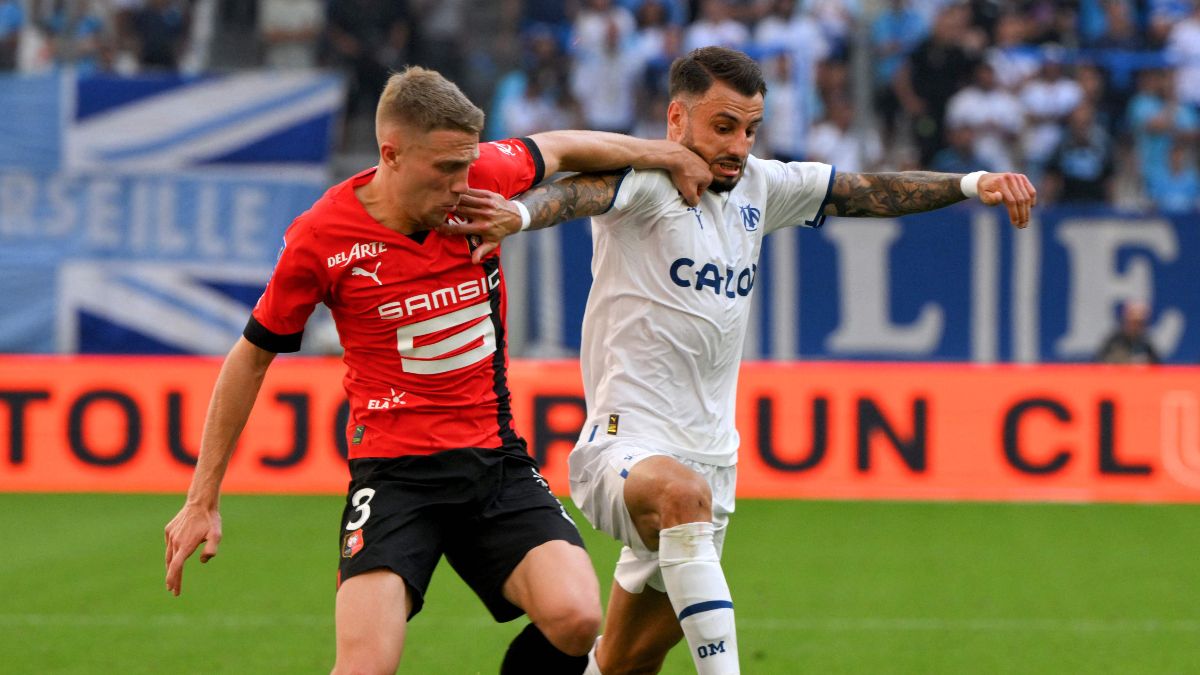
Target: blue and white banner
{"type": "Point", "coordinates": [955, 285]}
{"type": "Point", "coordinates": [143, 215]}
{"type": "Point", "coordinates": [170, 123]}
{"type": "Point", "coordinates": [138, 263]}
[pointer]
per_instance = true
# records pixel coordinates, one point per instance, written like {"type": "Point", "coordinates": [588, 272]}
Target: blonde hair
{"type": "Point", "coordinates": [426, 101]}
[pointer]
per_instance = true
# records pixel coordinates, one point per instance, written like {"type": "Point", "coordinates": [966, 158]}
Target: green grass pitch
{"type": "Point", "coordinates": [820, 587]}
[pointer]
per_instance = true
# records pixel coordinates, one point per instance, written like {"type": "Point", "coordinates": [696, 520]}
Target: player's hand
{"type": "Point", "coordinates": [486, 215]}
{"type": "Point", "coordinates": [1013, 190]}
{"type": "Point", "coordinates": [186, 531]}
{"type": "Point", "coordinates": [690, 173]}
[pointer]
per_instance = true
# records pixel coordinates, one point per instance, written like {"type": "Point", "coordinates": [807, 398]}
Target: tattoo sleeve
{"type": "Point", "coordinates": [892, 194]}
{"type": "Point", "coordinates": [584, 194]}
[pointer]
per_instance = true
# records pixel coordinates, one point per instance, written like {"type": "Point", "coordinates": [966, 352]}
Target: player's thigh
{"type": "Point", "coordinates": [388, 525]}
{"type": "Point", "coordinates": [556, 586]}
{"type": "Point", "coordinates": [370, 620]}
{"type": "Point", "coordinates": [639, 631]}
{"type": "Point", "coordinates": [487, 548]}
{"type": "Point", "coordinates": [631, 491]}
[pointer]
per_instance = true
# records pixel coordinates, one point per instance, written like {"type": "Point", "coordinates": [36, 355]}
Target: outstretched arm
{"type": "Point", "coordinates": [897, 194]}
{"type": "Point", "coordinates": [491, 217]}
{"type": "Point", "coordinates": [585, 151]}
{"type": "Point", "coordinates": [199, 521]}
{"type": "Point", "coordinates": [578, 196]}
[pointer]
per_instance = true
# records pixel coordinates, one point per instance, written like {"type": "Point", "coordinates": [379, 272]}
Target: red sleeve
{"type": "Point", "coordinates": [508, 167]}
{"type": "Point", "coordinates": [295, 288]}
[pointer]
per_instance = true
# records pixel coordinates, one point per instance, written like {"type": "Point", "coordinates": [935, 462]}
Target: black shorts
{"type": "Point", "coordinates": [482, 509]}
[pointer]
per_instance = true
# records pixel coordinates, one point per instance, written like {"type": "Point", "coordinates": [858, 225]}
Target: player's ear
{"type": "Point", "coordinates": [676, 119]}
{"type": "Point", "coordinates": [388, 155]}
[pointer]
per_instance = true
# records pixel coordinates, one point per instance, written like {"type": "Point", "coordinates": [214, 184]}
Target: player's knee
{"type": "Point", "coordinates": [572, 628]}
{"type": "Point", "coordinates": [684, 500]}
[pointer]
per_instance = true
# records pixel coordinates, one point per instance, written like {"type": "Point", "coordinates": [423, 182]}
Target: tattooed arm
{"type": "Point", "coordinates": [897, 194]}
{"type": "Point", "coordinates": [491, 217]}
{"type": "Point", "coordinates": [578, 196]}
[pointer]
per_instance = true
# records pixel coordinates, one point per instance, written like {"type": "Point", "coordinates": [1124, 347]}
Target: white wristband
{"type": "Point", "coordinates": [970, 184]}
{"type": "Point", "coordinates": [525, 219]}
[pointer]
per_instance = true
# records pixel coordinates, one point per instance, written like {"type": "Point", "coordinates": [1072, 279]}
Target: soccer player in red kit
{"type": "Point", "coordinates": [436, 466]}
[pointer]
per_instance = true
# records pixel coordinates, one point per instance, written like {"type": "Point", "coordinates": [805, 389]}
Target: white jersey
{"type": "Point", "coordinates": [668, 310]}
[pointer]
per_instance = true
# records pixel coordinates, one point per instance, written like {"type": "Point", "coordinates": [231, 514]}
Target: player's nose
{"type": "Point", "coordinates": [740, 146]}
{"type": "Point", "coordinates": [459, 185]}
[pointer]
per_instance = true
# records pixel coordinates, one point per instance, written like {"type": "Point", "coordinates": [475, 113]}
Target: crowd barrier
{"type": "Point", "coordinates": [809, 430]}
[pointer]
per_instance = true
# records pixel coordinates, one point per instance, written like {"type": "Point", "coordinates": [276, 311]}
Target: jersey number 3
{"type": "Point", "coordinates": [431, 358]}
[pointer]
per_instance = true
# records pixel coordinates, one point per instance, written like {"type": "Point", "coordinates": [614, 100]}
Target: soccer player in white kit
{"type": "Point", "coordinates": [666, 318]}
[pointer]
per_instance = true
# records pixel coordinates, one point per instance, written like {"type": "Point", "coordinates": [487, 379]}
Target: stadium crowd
{"type": "Point", "coordinates": [1097, 100]}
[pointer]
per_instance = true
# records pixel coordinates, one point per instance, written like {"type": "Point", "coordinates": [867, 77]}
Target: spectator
{"type": "Point", "coordinates": [1057, 24]}
{"type": "Point", "coordinates": [606, 75]}
{"type": "Point", "coordinates": [76, 35]}
{"type": "Point", "coordinates": [1081, 169]}
{"type": "Point", "coordinates": [1183, 50]}
{"type": "Point", "coordinates": [556, 13]}
{"type": "Point", "coordinates": [835, 140]}
{"type": "Point", "coordinates": [1158, 120]}
{"type": "Point", "coordinates": [783, 28]}
{"type": "Point", "coordinates": [1047, 99]}
{"type": "Point", "coordinates": [288, 30]}
{"type": "Point", "coordinates": [675, 11]}
{"type": "Point", "coordinates": [1163, 15]}
{"type": "Point", "coordinates": [438, 28]}
{"type": "Point", "coordinates": [12, 20]}
{"type": "Point", "coordinates": [1012, 57]}
{"type": "Point", "coordinates": [1130, 344]}
{"type": "Point", "coordinates": [935, 70]}
{"type": "Point", "coordinates": [1120, 28]}
{"type": "Point", "coordinates": [367, 39]}
{"type": "Point", "coordinates": [542, 59]}
{"type": "Point", "coordinates": [537, 109]}
{"type": "Point", "coordinates": [896, 30]}
{"type": "Point", "coordinates": [959, 155]}
{"type": "Point", "coordinates": [1105, 102]}
{"type": "Point", "coordinates": [1175, 190]}
{"type": "Point", "coordinates": [716, 27]}
{"type": "Point", "coordinates": [656, 71]}
{"type": "Point", "coordinates": [160, 31]}
{"type": "Point", "coordinates": [597, 19]}
{"type": "Point", "coordinates": [1091, 19]}
{"type": "Point", "coordinates": [653, 25]}
{"type": "Point", "coordinates": [789, 108]}
{"type": "Point", "coordinates": [835, 17]}
{"type": "Point", "coordinates": [994, 114]}
{"type": "Point", "coordinates": [792, 48]}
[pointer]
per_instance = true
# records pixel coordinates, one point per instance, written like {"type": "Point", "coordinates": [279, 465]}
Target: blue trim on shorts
{"type": "Point", "coordinates": [624, 473]}
{"type": "Point", "coordinates": [704, 607]}
{"type": "Point", "coordinates": [593, 436]}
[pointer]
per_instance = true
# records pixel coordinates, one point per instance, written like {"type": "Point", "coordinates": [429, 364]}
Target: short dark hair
{"type": "Point", "coordinates": [695, 73]}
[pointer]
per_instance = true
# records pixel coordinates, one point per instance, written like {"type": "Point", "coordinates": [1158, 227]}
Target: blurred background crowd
{"type": "Point", "coordinates": [1095, 99]}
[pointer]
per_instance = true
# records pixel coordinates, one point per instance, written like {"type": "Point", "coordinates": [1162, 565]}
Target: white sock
{"type": "Point", "coordinates": [696, 586]}
{"type": "Point", "coordinates": [593, 666]}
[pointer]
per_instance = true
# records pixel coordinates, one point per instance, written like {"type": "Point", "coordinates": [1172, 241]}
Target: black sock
{"type": "Point", "coordinates": [532, 654]}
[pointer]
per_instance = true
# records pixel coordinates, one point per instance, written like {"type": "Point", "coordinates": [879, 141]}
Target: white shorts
{"type": "Point", "coordinates": [597, 475]}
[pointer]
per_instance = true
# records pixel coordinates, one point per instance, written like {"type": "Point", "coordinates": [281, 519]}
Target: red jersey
{"type": "Point", "coordinates": [422, 327]}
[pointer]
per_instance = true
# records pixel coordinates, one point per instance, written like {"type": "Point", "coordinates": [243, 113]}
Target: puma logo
{"type": "Point", "coordinates": [360, 272]}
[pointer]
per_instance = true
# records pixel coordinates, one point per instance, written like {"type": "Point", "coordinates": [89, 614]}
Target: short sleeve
{"type": "Point", "coordinates": [295, 288]}
{"type": "Point", "coordinates": [635, 189]}
{"type": "Point", "coordinates": [797, 193]}
{"type": "Point", "coordinates": [507, 167]}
